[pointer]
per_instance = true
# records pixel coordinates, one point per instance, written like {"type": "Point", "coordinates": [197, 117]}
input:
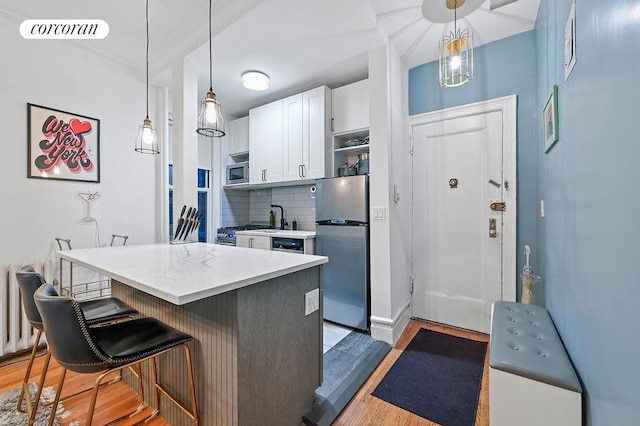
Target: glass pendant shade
{"type": "Point", "coordinates": [147, 140]}
{"type": "Point", "coordinates": [455, 52]}
{"type": "Point", "coordinates": [210, 120]}
{"type": "Point", "coordinates": [456, 58]}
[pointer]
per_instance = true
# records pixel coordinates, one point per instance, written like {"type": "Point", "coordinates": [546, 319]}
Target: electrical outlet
{"type": "Point", "coordinates": [311, 301]}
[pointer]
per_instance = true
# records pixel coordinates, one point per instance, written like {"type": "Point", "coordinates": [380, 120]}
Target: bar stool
{"type": "Point", "coordinates": [96, 312]}
{"type": "Point", "coordinates": [81, 349]}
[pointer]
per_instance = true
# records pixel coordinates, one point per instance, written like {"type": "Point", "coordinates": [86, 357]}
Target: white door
{"type": "Point", "coordinates": [459, 242]}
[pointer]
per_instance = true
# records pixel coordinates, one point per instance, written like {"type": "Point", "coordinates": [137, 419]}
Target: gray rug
{"type": "Point", "coordinates": [347, 366]}
{"type": "Point", "coordinates": [9, 401]}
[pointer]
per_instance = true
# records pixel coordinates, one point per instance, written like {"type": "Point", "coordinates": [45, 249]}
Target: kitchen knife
{"type": "Point", "coordinates": [188, 223]}
{"type": "Point", "coordinates": [180, 222]}
{"type": "Point", "coordinates": [196, 222]}
{"type": "Point", "coordinates": [185, 223]}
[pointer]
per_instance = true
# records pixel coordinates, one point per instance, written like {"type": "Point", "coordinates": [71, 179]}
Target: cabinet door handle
{"type": "Point", "coordinates": [332, 128]}
{"type": "Point", "coordinates": [304, 170]}
{"type": "Point", "coordinates": [300, 170]}
{"type": "Point", "coordinates": [250, 242]}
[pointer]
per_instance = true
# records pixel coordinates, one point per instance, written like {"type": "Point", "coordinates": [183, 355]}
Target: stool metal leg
{"type": "Point", "coordinates": [32, 406]}
{"type": "Point", "coordinates": [25, 382]}
{"type": "Point", "coordinates": [193, 414]}
{"type": "Point", "coordinates": [54, 406]}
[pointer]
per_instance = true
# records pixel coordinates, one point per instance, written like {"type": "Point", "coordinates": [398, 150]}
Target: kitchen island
{"type": "Point", "coordinates": [257, 357]}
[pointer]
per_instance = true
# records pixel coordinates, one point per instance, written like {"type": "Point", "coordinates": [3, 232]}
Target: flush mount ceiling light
{"type": "Point", "coordinates": [456, 52]}
{"type": "Point", "coordinates": [210, 121]}
{"type": "Point", "coordinates": [147, 140]}
{"type": "Point", "coordinates": [255, 80]}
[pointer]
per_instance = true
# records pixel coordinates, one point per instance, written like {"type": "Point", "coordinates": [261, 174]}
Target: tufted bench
{"type": "Point", "coordinates": [531, 380]}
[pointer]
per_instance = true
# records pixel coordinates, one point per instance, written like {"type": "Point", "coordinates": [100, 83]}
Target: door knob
{"type": "Point", "coordinates": [493, 233]}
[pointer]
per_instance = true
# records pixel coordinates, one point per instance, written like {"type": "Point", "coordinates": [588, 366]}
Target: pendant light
{"type": "Point", "coordinates": [147, 140]}
{"type": "Point", "coordinates": [456, 52]}
{"type": "Point", "coordinates": [210, 121]}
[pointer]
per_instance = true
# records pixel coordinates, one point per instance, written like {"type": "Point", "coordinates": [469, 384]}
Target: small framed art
{"type": "Point", "coordinates": [550, 120]}
{"type": "Point", "coordinates": [62, 145]}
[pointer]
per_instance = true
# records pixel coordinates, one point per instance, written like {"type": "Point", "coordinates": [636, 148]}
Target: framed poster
{"type": "Point", "coordinates": [62, 145]}
{"type": "Point", "coordinates": [550, 118]}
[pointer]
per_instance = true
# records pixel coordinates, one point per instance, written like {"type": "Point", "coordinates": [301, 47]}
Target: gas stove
{"type": "Point", "coordinates": [227, 235]}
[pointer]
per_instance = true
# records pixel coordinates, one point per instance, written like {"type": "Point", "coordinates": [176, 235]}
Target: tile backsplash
{"type": "Point", "coordinates": [242, 207]}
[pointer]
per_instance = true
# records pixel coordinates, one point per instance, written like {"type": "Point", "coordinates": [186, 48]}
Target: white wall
{"type": "Point", "coordinates": [63, 76]}
{"type": "Point", "coordinates": [400, 212]}
{"type": "Point", "coordinates": [380, 246]}
{"type": "Point", "coordinates": [391, 165]}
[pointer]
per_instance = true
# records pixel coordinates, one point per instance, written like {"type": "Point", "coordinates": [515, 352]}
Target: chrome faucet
{"type": "Point", "coordinates": [283, 222]}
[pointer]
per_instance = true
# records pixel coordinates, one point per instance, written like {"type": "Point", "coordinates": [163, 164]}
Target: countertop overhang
{"type": "Point", "coordinates": [184, 273]}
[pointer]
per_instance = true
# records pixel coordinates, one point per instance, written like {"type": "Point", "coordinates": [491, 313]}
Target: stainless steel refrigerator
{"type": "Point", "coordinates": [342, 234]}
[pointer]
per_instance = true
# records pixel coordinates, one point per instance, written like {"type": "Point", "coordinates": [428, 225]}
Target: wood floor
{"type": "Point", "coordinates": [364, 409]}
{"type": "Point", "coordinates": [114, 400]}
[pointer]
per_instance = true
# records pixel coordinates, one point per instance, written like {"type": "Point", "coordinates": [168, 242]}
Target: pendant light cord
{"type": "Point", "coordinates": [210, 52]}
{"type": "Point", "coordinates": [455, 19]}
{"type": "Point", "coordinates": [147, 57]}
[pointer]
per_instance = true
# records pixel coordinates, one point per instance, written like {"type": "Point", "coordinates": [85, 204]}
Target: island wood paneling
{"type": "Point", "coordinates": [212, 322]}
{"type": "Point", "coordinates": [257, 359]}
{"type": "Point", "coordinates": [280, 365]}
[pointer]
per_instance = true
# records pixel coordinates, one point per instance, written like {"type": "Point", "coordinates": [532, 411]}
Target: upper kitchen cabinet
{"type": "Point", "coordinates": [350, 107]}
{"type": "Point", "coordinates": [265, 143]}
{"type": "Point", "coordinates": [239, 142]}
{"type": "Point", "coordinates": [306, 135]}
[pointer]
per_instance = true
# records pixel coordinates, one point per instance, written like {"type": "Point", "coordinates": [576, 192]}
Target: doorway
{"type": "Point", "coordinates": [464, 212]}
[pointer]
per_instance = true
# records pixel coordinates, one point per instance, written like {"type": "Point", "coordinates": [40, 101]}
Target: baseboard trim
{"type": "Point", "coordinates": [390, 329]}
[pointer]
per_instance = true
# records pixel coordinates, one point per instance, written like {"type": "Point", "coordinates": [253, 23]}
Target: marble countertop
{"type": "Point", "coordinates": [184, 273]}
{"type": "Point", "coordinates": [305, 235]}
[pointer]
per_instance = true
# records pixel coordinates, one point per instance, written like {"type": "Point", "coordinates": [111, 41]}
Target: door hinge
{"type": "Point", "coordinates": [498, 207]}
{"type": "Point", "coordinates": [411, 284]}
{"type": "Point", "coordinates": [411, 145]}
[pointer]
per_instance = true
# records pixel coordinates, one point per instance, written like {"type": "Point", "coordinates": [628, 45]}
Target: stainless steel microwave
{"type": "Point", "coordinates": [238, 173]}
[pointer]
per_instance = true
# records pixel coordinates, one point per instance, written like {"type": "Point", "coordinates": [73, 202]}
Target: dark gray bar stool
{"type": "Point", "coordinates": [96, 312]}
{"type": "Point", "coordinates": [81, 349]}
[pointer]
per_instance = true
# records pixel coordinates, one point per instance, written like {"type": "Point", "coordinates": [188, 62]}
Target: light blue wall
{"type": "Point", "coordinates": [587, 246]}
{"type": "Point", "coordinates": [591, 233]}
{"type": "Point", "coordinates": [502, 68]}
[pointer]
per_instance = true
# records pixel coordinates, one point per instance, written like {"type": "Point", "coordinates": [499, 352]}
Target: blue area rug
{"type": "Point", "coordinates": [437, 377]}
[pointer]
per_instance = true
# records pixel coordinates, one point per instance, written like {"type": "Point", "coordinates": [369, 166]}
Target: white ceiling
{"type": "Point", "coordinates": [298, 43]}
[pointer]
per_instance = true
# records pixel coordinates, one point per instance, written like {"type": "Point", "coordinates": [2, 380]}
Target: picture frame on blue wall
{"type": "Point", "coordinates": [550, 120]}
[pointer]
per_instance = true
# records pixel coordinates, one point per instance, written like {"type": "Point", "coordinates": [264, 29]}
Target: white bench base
{"type": "Point", "coordinates": [516, 400]}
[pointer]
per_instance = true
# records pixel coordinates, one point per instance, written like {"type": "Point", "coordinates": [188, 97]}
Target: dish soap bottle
{"type": "Point", "coordinates": [294, 225]}
{"type": "Point", "coordinates": [272, 220]}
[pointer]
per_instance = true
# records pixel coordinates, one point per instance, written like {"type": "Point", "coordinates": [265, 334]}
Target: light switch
{"type": "Point", "coordinates": [378, 213]}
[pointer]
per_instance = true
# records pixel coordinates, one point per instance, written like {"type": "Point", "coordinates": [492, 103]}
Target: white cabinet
{"type": "Point", "coordinates": [306, 134]}
{"type": "Point", "coordinates": [350, 111]}
{"type": "Point", "coordinates": [265, 143]}
{"type": "Point", "coordinates": [253, 241]}
{"type": "Point", "coordinates": [292, 155]}
{"type": "Point", "coordinates": [350, 107]}
{"type": "Point", "coordinates": [239, 143]}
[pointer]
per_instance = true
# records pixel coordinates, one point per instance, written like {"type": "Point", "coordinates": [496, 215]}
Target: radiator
{"type": "Point", "coordinates": [17, 334]}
